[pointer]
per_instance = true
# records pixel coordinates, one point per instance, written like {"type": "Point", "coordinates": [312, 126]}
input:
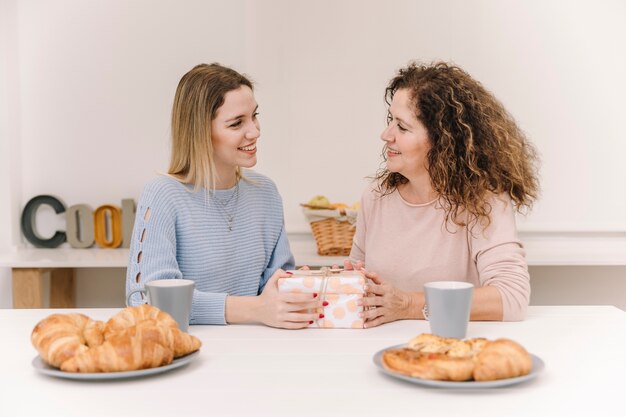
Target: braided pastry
{"type": "Point", "coordinates": [432, 357]}
{"type": "Point", "coordinates": [61, 336]}
{"type": "Point", "coordinates": [429, 365]}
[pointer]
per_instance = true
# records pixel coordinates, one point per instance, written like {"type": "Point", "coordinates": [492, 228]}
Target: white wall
{"type": "Point", "coordinates": [88, 86]}
{"type": "Point", "coordinates": [557, 65]}
{"type": "Point", "coordinates": [10, 155]}
{"type": "Point", "coordinates": [96, 82]}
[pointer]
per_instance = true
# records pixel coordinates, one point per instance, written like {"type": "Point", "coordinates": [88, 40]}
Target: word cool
{"type": "Point", "coordinates": [108, 226]}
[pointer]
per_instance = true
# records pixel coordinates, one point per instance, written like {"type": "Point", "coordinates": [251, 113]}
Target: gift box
{"type": "Point", "coordinates": [341, 289]}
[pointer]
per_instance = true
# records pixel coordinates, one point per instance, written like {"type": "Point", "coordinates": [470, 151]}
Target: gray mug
{"type": "Point", "coordinates": [447, 308]}
{"type": "Point", "coordinates": [174, 296]}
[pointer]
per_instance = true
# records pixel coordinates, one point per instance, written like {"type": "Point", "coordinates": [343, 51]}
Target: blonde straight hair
{"type": "Point", "coordinates": [200, 93]}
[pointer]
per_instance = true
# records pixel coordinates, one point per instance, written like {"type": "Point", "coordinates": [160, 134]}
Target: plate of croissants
{"type": "Point", "coordinates": [137, 341]}
{"type": "Point", "coordinates": [440, 362]}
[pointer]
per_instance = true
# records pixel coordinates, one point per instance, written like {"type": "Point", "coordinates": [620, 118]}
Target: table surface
{"type": "Point", "coordinates": [247, 370]}
{"type": "Point", "coordinates": [541, 250]}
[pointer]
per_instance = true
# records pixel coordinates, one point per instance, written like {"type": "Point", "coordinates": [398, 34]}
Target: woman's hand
{"type": "Point", "coordinates": [349, 266]}
{"type": "Point", "coordinates": [286, 310]}
{"type": "Point", "coordinates": [385, 302]}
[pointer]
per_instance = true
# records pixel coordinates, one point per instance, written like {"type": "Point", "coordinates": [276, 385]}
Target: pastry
{"type": "Point", "coordinates": [141, 346]}
{"type": "Point", "coordinates": [59, 337]}
{"type": "Point", "coordinates": [429, 343]}
{"type": "Point", "coordinates": [135, 338]}
{"type": "Point", "coordinates": [437, 366]}
{"type": "Point", "coordinates": [432, 357]}
{"type": "Point", "coordinates": [180, 342]}
{"type": "Point", "coordinates": [131, 316]}
{"type": "Point", "coordinates": [500, 359]}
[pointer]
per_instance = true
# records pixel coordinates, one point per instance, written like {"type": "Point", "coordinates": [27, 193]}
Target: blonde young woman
{"type": "Point", "coordinates": [211, 222]}
{"type": "Point", "coordinates": [442, 208]}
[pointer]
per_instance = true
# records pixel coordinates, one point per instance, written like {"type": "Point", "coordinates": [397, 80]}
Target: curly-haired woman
{"type": "Point", "coordinates": [457, 168]}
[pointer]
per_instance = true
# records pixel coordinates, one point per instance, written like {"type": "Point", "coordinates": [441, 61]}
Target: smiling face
{"type": "Point", "coordinates": [406, 138]}
{"type": "Point", "coordinates": [234, 131]}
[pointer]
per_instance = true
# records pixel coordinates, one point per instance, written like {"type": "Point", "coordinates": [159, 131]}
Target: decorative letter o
{"type": "Point", "coordinates": [128, 220]}
{"type": "Point", "coordinates": [100, 226]}
{"type": "Point", "coordinates": [79, 226]}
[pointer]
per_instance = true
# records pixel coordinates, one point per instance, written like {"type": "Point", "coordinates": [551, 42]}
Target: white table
{"type": "Point", "coordinates": [260, 371]}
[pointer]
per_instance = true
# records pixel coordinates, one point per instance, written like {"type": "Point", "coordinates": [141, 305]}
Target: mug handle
{"type": "Point", "coordinates": [130, 295]}
{"type": "Point", "coordinates": [425, 311]}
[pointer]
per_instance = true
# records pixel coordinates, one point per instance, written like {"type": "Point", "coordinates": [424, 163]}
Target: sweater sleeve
{"type": "Point", "coordinates": [153, 246]}
{"type": "Point", "coordinates": [281, 258]}
{"type": "Point", "coordinates": [153, 254]}
{"type": "Point", "coordinates": [501, 260]}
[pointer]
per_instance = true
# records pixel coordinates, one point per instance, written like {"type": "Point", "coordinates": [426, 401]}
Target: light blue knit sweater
{"type": "Point", "coordinates": [187, 236]}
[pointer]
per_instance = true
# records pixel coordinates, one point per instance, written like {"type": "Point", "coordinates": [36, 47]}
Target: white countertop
{"type": "Point", "coordinates": [246, 370]}
{"type": "Point", "coordinates": [541, 250]}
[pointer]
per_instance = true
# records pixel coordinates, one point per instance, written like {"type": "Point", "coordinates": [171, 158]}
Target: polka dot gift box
{"type": "Point", "coordinates": [341, 289]}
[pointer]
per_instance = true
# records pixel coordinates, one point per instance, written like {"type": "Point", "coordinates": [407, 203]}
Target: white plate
{"type": "Point", "coordinates": [44, 368]}
{"type": "Point", "coordinates": [538, 366]}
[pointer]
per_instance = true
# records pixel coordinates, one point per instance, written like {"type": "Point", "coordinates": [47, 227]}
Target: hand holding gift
{"type": "Point", "coordinates": [383, 302]}
{"type": "Point", "coordinates": [287, 310]}
{"type": "Point", "coordinates": [339, 291]}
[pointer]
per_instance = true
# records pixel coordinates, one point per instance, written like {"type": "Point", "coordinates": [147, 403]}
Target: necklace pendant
{"type": "Point", "coordinates": [222, 208]}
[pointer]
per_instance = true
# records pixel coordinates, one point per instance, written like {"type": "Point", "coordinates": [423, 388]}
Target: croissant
{"type": "Point", "coordinates": [135, 338]}
{"type": "Point", "coordinates": [142, 346]}
{"type": "Point", "coordinates": [59, 337]}
{"type": "Point", "coordinates": [181, 342]}
{"type": "Point", "coordinates": [502, 358]}
{"type": "Point", "coordinates": [131, 316]}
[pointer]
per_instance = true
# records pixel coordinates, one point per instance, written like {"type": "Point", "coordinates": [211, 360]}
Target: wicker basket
{"type": "Point", "coordinates": [333, 237]}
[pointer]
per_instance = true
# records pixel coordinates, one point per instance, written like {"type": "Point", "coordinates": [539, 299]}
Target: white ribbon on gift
{"type": "Point", "coordinates": [325, 274]}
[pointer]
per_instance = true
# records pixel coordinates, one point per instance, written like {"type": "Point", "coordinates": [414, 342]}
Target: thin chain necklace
{"type": "Point", "coordinates": [228, 217]}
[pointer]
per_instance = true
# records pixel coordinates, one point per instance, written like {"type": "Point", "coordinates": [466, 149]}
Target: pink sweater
{"type": "Point", "coordinates": [408, 245]}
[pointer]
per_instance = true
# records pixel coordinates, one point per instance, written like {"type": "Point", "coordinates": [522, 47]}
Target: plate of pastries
{"type": "Point", "coordinates": [435, 361]}
{"type": "Point", "coordinates": [137, 341]}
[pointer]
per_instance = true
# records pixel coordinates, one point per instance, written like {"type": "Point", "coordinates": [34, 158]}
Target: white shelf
{"type": "Point", "coordinates": [575, 249]}
{"type": "Point", "coordinates": [64, 258]}
{"type": "Point", "coordinates": [542, 249]}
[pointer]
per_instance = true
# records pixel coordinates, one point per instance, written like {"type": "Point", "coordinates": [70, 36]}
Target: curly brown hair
{"type": "Point", "coordinates": [477, 148]}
